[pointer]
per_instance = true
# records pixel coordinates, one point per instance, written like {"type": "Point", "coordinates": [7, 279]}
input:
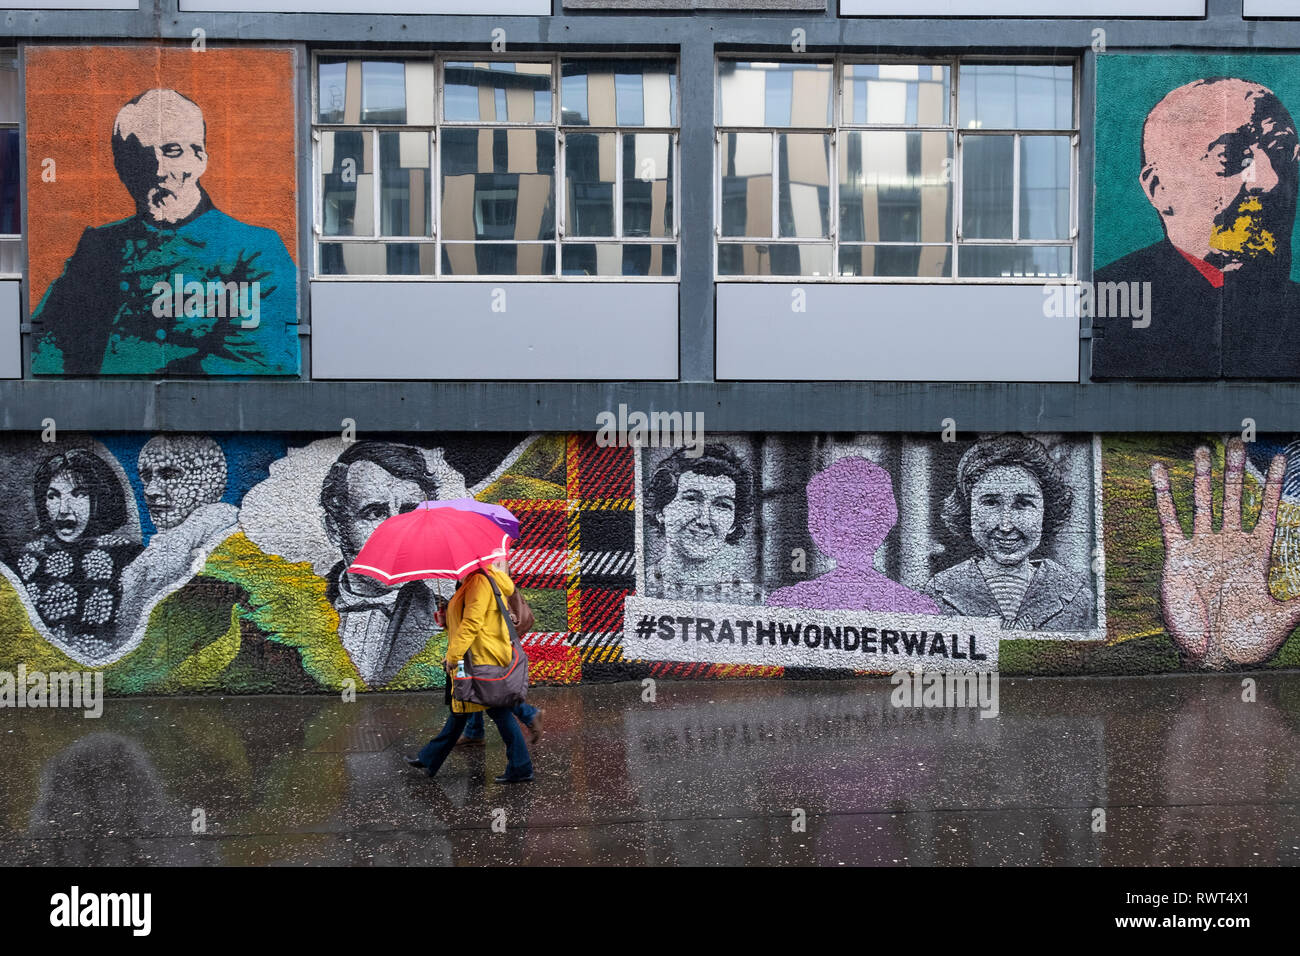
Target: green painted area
{"type": "Point", "coordinates": [1135, 555]}
{"type": "Point", "coordinates": [550, 609]}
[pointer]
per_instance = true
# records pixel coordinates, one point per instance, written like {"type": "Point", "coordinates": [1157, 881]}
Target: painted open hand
{"type": "Point", "coordinates": [1214, 589]}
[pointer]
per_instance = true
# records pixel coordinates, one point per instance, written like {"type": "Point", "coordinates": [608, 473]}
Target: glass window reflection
{"type": "Point", "coordinates": [497, 92]}
{"type": "Point", "coordinates": [896, 94]}
{"type": "Point", "coordinates": [620, 92]}
{"type": "Point", "coordinates": [498, 184]}
{"type": "Point", "coordinates": [774, 94]}
{"type": "Point", "coordinates": [1015, 96]}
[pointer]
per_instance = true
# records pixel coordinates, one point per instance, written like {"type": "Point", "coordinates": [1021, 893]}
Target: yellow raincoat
{"type": "Point", "coordinates": [474, 623]}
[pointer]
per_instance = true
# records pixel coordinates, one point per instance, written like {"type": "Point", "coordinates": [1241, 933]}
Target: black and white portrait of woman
{"type": "Point", "coordinates": [71, 571]}
{"type": "Point", "coordinates": [1009, 500]}
{"type": "Point", "coordinates": [698, 512]}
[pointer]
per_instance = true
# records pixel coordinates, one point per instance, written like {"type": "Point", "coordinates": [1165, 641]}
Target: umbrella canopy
{"type": "Point", "coordinates": [431, 543]}
{"type": "Point", "coordinates": [502, 517]}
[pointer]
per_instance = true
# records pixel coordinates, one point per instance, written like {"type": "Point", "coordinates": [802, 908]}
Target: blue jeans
{"type": "Point", "coordinates": [474, 729]}
{"type": "Point", "coordinates": [518, 762]}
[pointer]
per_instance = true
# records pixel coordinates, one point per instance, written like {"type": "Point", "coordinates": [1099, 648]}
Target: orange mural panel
{"type": "Point", "coordinates": [246, 98]}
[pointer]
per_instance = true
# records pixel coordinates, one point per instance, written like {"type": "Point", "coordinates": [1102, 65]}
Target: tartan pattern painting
{"type": "Point", "coordinates": [575, 558]}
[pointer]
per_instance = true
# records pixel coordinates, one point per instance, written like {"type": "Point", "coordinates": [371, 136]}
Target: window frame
{"type": "Point", "coordinates": [17, 239]}
{"type": "Point", "coordinates": [840, 126]}
{"type": "Point", "coordinates": [433, 209]}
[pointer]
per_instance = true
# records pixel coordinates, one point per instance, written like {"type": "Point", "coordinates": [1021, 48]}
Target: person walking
{"type": "Point", "coordinates": [529, 717]}
{"type": "Point", "coordinates": [475, 624]}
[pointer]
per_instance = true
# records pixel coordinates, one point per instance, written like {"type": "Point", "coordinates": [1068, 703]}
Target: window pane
{"type": "Point", "coordinates": [647, 184]}
{"type": "Point", "coordinates": [498, 259]}
{"type": "Point", "coordinates": [11, 213]}
{"type": "Point", "coordinates": [895, 186]}
{"type": "Point", "coordinates": [331, 91]}
{"type": "Point", "coordinates": [377, 258]}
{"type": "Point", "coordinates": [774, 259]}
{"type": "Point", "coordinates": [896, 94]}
{"type": "Point", "coordinates": [496, 92]}
{"type": "Point", "coordinates": [498, 184]}
{"type": "Point", "coordinates": [347, 183]}
{"type": "Point", "coordinates": [589, 176]}
{"type": "Point", "coordinates": [1052, 262]}
{"type": "Point", "coordinates": [901, 261]}
{"type": "Point", "coordinates": [986, 187]}
{"type": "Point", "coordinates": [383, 92]}
{"type": "Point", "coordinates": [805, 177]}
{"type": "Point", "coordinates": [618, 93]}
{"type": "Point", "coordinates": [11, 256]}
{"type": "Point", "coordinates": [747, 184]}
{"type": "Point", "coordinates": [1012, 96]}
{"type": "Point", "coordinates": [1044, 187]}
{"type": "Point", "coordinates": [618, 259]}
{"type": "Point", "coordinates": [404, 181]}
{"type": "Point", "coordinates": [10, 107]}
{"type": "Point", "coordinates": [420, 93]}
{"type": "Point", "coordinates": [774, 94]}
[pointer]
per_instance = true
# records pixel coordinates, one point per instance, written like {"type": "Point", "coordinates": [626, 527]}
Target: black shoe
{"type": "Point", "coordinates": [506, 778]}
{"type": "Point", "coordinates": [415, 761]}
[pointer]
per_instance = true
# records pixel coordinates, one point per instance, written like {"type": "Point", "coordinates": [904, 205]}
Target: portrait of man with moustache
{"type": "Point", "coordinates": [1218, 163]}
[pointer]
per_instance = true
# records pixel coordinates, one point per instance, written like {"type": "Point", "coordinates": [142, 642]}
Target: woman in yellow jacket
{"type": "Point", "coordinates": [475, 624]}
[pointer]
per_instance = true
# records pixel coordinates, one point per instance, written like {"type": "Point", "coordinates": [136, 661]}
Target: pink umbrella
{"type": "Point", "coordinates": [431, 543]}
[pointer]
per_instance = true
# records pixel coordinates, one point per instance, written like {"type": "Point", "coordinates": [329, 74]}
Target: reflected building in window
{"type": "Point", "coordinates": [499, 136]}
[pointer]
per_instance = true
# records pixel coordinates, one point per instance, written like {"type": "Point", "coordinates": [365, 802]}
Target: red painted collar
{"type": "Point", "coordinates": [1212, 275]}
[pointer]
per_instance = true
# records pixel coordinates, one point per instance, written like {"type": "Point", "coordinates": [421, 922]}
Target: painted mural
{"type": "Point", "coordinates": [178, 563]}
{"type": "Point", "coordinates": [162, 187]}
{"type": "Point", "coordinates": [1196, 179]}
{"type": "Point", "coordinates": [865, 552]}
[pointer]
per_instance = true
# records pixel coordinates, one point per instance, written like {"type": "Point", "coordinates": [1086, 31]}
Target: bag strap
{"type": "Point", "coordinates": [501, 605]}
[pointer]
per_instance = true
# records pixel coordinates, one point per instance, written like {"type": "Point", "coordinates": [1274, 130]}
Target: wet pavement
{"type": "Point", "coordinates": [708, 773]}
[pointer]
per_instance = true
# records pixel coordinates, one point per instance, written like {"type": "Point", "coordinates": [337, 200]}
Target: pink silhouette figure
{"type": "Point", "coordinates": [851, 509]}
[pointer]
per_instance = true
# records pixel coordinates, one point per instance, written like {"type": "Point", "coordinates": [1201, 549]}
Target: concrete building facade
{"type": "Point", "coordinates": [805, 339]}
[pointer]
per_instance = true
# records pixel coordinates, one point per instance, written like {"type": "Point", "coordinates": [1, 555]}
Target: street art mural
{"type": "Point", "coordinates": [1195, 211]}
{"type": "Point", "coordinates": [180, 563]}
{"type": "Point", "coordinates": [910, 551]}
{"type": "Point", "coordinates": [162, 211]}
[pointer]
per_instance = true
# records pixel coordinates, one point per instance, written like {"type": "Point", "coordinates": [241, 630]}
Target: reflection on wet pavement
{"type": "Point", "coordinates": [710, 773]}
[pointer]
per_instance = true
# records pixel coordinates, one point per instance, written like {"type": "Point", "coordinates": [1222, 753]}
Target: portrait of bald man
{"type": "Point", "coordinates": [1218, 165]}
{"type": "Point", "coordinates": [180, 288]}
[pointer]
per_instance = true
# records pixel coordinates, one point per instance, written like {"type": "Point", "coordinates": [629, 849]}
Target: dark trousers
{"type": "Point", "coordinates": [474, 728]}
{"type": "Point", "coordinates": [518, 762]}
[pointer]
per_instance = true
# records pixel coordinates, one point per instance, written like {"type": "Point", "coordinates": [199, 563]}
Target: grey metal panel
{"type": "Point", "coordinates": [1223, 28]}
{"type": "Point", "coordinates": [72, 5]}
{"type": "Point", "coordinates": [11, 355]}
{"type": "Point", "coordinates": [573, 406]}
{"type": "Point", "coordinates": [1023, 8]}
{"type": "Point", "coordinates": [1084, 194]}
{"type": "Point", "coordinates": [1270, 8]}
{"type": "Point", "coordinates": [915, 333]}
{"type": "Point", "coordinates": [306, 199]}
{"type": "Point", "coordinates": [758, 5]}
{"type": "Point", "coordinates": [695, 212]}
{"type": "Point", "coordinates": [536, 8]}
{"type": "Point", "coordinates": [494, 330]}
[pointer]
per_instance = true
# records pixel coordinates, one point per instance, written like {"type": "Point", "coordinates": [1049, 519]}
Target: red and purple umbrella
{"type": "Point", "coordinates": [502, 517]}
{"type": "Point", "coordinates": [438, 539]}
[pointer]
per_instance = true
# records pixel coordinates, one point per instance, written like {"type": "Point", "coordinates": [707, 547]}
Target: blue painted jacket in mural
{"type": "Point", "coordinates": [105, 316]}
